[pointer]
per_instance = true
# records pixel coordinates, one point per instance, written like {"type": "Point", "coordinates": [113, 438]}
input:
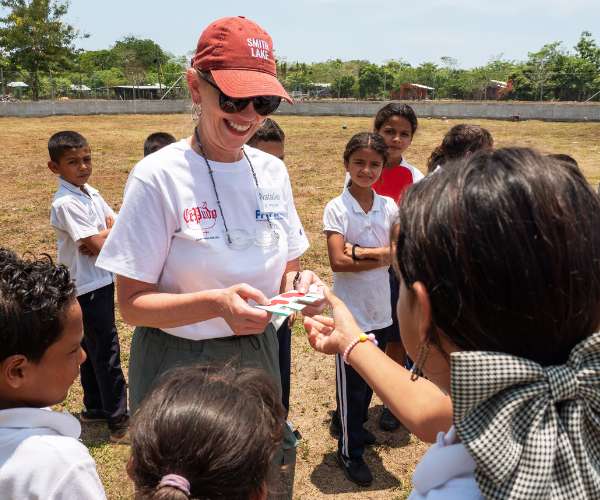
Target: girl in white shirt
{"type": "Point", "coordinates": [499, 265]}
{"type": "Point", "coordinates": [359, 217]}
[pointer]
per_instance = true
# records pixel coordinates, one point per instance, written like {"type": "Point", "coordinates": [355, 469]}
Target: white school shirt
{"type": "Point", "coordinates": [170, 230]}
{"type": "Point", "coordinates": [366, 293]}
{"type": "Point", "coordinates": [42, 458]}
{"type": "Point", "coordinates": [74, 216]}
{"type": "Point", "coordinates": [446, 472]}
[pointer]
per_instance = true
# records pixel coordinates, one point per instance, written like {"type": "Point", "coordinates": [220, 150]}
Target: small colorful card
{"type": "Point", "coordinates": [288, 303]}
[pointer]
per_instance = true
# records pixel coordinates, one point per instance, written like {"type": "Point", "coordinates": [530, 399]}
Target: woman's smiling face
{"type": "Point", "coordinates": [221, 131]}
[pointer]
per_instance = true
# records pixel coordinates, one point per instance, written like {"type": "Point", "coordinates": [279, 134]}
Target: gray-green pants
{"type": "Point", "coordinates": [153, 352]}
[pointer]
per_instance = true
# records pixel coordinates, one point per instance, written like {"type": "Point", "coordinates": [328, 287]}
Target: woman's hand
{"type": "Point", "coordinates": [332, 336]}
{"type": "Point", "coordinates": [241, 317]}
{"type": "Point", "coordinates": [309, 279]}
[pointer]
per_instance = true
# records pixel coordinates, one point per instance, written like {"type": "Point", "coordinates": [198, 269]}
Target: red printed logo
{"type": "Point", "coordinates": [202, 216]}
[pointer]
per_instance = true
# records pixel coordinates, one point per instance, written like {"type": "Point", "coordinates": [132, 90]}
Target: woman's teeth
{"type": "Point", "coordinates": [239, 128]}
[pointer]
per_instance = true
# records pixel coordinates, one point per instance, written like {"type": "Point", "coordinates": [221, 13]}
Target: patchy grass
{"type": "Point", "coordinates": [314, 149]}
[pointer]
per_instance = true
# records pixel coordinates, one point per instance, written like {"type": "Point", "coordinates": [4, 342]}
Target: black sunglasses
{"type": "Point", "coordinates": [264, 104]}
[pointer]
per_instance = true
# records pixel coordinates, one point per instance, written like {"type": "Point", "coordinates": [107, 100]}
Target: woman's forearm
{"type": "Point", "coordinates": [168, 310]}
{"type": "Point", "coordinates": [419, 404]}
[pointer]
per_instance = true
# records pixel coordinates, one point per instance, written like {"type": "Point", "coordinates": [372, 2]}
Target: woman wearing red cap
{"type": "Point", "coordinates": [208, 224]}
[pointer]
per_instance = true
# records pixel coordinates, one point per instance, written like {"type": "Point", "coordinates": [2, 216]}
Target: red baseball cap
{"type": "Point", "coordinates": [238, 53]}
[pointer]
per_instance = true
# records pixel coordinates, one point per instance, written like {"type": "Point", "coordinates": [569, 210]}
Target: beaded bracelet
{"type": "Point", "coordinates": [363, 337]}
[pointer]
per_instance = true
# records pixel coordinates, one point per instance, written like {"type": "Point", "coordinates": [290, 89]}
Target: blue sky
{"type": "Point", "coordinates": [472, 31]}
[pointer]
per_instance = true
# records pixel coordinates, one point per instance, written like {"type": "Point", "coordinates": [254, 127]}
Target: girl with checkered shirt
{"type": "Point", "coordinates": [499, 265]}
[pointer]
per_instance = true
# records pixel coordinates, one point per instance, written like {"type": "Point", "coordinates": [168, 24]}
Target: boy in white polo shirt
{"type": "Point", "coordinates": [82, 221]}
{"type": "Point", "coordinates": [40, 354]}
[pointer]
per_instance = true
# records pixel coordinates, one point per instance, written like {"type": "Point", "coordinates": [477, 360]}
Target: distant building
{"type": "Point", "coordinates": [412, 92]}
{"type": "Point", "coordinates": [130, 92]}
{"type": "Point", "coordinates": [321, 89]}
{"type": "Point", "coordinates": [497, 89]}
{"type": "Point", "coordinates": [80, 88]}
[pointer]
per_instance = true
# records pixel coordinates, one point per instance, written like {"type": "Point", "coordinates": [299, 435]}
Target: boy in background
{"type": "Point", "coordinates": [82, 221]}
{"type": "Point", "coordinates": [156, 141]}
{"type": "Point", "coordinates": [40, 353]}
{"type": "Point", "coordinates": [270, 138]}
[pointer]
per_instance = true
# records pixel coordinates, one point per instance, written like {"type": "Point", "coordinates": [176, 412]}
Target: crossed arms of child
{"type": "Point", "coordinates": [92, 245]}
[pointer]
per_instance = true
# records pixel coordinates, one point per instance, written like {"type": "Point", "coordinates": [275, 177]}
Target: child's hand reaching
{"type": "Point", "coordinates": [110, 221]}
{"type": "Point", "coordinates": [332, 336]}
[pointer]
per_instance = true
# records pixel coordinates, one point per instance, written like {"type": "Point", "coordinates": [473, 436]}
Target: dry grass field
{"type": "Point", "coordinates": [313, 154]}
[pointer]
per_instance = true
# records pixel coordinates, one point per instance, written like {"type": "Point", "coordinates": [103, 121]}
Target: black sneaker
{"type": "Point", "coordinates": [335, 428]}
{"type": "Point", "coordinates": [355, 469]}
{"type": "Point", "coordinates": [119, 430]}
{"type": "Point", "coordinates": [369, 438]}
{"type": "Point", "coordinates": [387, 421]}
{"type": "Point", "coordinates": [92, 416]}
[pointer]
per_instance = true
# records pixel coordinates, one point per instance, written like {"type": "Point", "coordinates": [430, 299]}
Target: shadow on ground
{"type": "Point", "coordinates": [396, 439]}
{"type": "Point", "coordinates": [94, 434]}
{"type": "Point", "coordinates": [329, 478]}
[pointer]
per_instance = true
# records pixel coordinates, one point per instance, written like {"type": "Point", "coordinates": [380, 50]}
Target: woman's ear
{"type": "Point", "coordinates": [193, 81]}
{"type": "Point", "coordinates": [424, 307]}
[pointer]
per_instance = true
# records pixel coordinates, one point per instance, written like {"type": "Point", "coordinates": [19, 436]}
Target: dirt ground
{"type": "Point", "coordinates": [314, 147]}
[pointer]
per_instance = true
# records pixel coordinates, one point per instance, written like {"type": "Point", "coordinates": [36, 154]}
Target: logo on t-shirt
{"type": "Point", "coordinates": [200, 217]}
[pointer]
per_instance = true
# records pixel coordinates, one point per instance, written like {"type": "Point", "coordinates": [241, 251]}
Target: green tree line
{"type": "Point", "coordinates": [38, 47]}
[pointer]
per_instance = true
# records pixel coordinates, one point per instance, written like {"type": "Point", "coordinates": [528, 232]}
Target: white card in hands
{"type": "Point", "coordinates": [288, 303]}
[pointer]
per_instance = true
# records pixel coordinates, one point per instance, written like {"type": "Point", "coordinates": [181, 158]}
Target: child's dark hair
{"type": "Point", "coordinates": [216, 427]}
{"type": "Point", "coordinates": [396, 109]}
{"type": "Point", "coordinates": [459, 141]}
{"type": "Point", "coordinates": [508, 247]}
{"type": "Point", "coordinates": [569, 162]}
{"type": "Point", "coordinates": [564, 158]}
{"type": "Point", "coordinates": [369, 140]}
{"type": "Point", "coordinates": [156, 141]}
{"type": "Point", "coordinates": [268, 132]}
{"type": "Point", "coordinates": [64, 141]}
{"type": "Point", "coordinates": [33, 298]}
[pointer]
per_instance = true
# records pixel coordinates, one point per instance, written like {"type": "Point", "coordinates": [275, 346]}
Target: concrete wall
{"type": "Point", "coordinates": [437, 109]}
{"type": "Point", "coordinates": [464, 109]}
{"type": "Point", "coordinates": [92, 107]}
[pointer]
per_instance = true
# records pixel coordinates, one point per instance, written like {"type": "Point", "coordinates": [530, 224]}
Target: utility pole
{"type": "Point", "coordinates": [157, 61]}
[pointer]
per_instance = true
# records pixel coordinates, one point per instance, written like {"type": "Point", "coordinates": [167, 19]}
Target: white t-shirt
{"type": "Point", "coordinates": [446, 472]}
{"type": "Point", "coordinates": [42, 458]}
{"type": "Point", "coordinates": [170, 230]}
{"type": "Point", "coordinates": [366, 293]}
{"type": "Point", "coordinates": [74, 216]}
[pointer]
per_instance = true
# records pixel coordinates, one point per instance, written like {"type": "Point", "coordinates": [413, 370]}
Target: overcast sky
{"type": "Point", "coordinates": [472, 31]}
